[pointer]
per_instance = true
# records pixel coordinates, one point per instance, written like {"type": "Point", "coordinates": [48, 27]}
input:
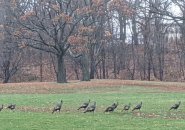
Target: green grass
{"type": "Point", "coordinates": [154, 115]}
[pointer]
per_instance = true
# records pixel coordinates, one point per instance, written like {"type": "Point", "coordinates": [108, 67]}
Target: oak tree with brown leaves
{"type": "Point", "coordinates": [53, 26]}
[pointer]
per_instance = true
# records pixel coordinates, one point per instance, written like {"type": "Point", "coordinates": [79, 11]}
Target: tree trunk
{"type": "Point", "coordinates": [92, 71]}
{"type": "Point", "coordinates": [76, 72]}
{"type": "Point", "coordinates": [115, 66]}
{"type": "Point", "coordinates": [85, 68]}
{"type": "Point", "coordinates": [134, 25]}
{"type": "Point", "coordinates": [103, 63]}
{"type": "Point", "coordinates": [7, 76]}
{"type": "Point", "coordinates": [122, 53]}
{"type": "Point", "coordinates": [61, 73]}
{"type": "Point", "coordinates": [41, 66]}
{"type": "Point", "coordinates": [149, 68]}
{"type": "Point", "coordinates": [6, 67]}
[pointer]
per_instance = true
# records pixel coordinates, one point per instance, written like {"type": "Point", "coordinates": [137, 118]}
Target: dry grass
{"type": "Point", "coordinates": [49, 87]}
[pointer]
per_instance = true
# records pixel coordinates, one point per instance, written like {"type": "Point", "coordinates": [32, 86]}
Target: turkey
{"type": "Point", "coordinates": [176, 106]}
{"type": "Point", "coordinates": [91, 108]}
{"type": "Point", "coordinates": [1, 108]}
{"type": "Point", "coordinates": [57, 107]}
{"type": "Point", "coordinates": [138, 107]}
{"type": "Point", "coordinates": [126, 107]}
{"type": "Point", "coordinates": [115, 105]}
{"type": "Point", "coordinates": [11, 106]}
{"type": "Point", "coordinates": [111, 108]}
{"type": "Point", "coordinates": [84, 105]}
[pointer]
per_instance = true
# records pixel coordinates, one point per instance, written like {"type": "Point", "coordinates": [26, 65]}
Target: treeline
{"type": "Point", "coordinates": [86, 39]}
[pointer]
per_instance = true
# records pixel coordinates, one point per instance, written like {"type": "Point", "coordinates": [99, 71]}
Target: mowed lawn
{"type": "Point", "coordinates": [33, 111]}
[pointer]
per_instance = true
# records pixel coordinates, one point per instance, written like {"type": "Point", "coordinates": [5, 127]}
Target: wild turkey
{"type": "Point", "coordinates": [11, 106]}
{"type": "Point", "coordinates": [176, 106]}
{"type": "Point", "coordinates": [91, 108]}
{"type": "Point", "coordinates": [111, 108]}
{"type": "Point", "coordinates": [1, 108]}
{"type": "Point", "coordinates": [84, 105]}
{"type": "Point", "coordinates": [115, 105]}
{"type": "Point", "coordinates": [138, 107]}
{"type": "Point", "coordinates": [57, 107]}
{"type": "Point", "coordinates": [126, 107]}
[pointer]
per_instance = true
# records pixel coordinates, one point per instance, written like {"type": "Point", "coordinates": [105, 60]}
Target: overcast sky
{"type": "Point", "coordinates": [175, 10]}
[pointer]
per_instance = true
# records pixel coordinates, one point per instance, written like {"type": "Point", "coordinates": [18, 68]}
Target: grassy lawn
{"type": "Point", "coordinates": [33, 111]}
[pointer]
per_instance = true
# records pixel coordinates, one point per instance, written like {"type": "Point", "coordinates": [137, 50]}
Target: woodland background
{"type": "Point", "coordinates": [60, 40]}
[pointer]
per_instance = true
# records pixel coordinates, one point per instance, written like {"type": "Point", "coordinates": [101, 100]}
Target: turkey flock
{"type": "Point", "coordinates": [87, 107]}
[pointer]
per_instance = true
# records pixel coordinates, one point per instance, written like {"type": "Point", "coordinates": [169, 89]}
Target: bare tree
{"type": "Point", "coordinates": [11, 53]}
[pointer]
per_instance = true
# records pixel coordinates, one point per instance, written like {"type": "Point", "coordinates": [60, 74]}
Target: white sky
{"type": "Point", "coordinates": [175, 10]}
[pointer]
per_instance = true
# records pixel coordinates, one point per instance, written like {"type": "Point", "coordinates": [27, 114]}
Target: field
{"type": "Point", "coordinates": [35, 102]}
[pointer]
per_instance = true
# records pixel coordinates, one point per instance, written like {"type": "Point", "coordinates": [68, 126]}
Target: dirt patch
{"type": "Point", "coordinates": [169, 116]}
{"type": "Point", "coordinates": [48, 87]}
